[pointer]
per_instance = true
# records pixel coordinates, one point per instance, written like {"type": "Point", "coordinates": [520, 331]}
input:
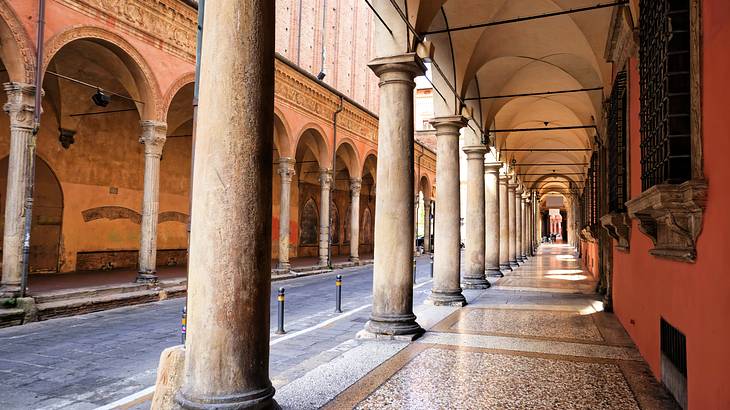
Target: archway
{"type": "Point", "coordinates": [311, 159]}
{"type": "Point", "coordinates": [367, 202]}
{"type": "Point", "coordinates": [45, 234]}
{"type": "Point", "coordinates": [347, 169]}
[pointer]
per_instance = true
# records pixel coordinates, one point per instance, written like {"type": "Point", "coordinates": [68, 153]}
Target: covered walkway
{"type": "Point", "coordinates": [543, 320]}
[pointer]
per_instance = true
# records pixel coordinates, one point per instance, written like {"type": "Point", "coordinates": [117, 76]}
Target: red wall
{"type": "Point", "coordinates": [589, 255]}
{"type": "Point", "coordinates": [695, 298]}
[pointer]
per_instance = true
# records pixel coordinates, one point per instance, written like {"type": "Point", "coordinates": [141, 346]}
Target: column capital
{"type": "Point", "coordinates": [20, 105]}
{"type": "Point", "coordinates": [504, 179]}
{"type": "Point", "coordinates": [154, 135]}
{"type": "Point", "coordinates": [448, 125]}
{"type": "Point", "coordinates": [286, 168]}
{"type": "Point", "coordinates": [408, 63]}
{"type": "Point", "coordinates": [325, 178]}
{"type": "Point", "coordinates": [492, 167]}
{"type": "Point", "coordinates": [518, 190]}
{"type": "Point", "coordinates": [355, 186]}
{"type": "Point", "coordinates": [511, 185]}
{"type": "Point", "coordinates": [474, 152]}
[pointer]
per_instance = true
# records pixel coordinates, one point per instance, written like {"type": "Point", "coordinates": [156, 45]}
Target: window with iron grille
{"type": "Point", "coordinates": [664, 71]}
{"type": "Point", "coordinates": [617, 189]}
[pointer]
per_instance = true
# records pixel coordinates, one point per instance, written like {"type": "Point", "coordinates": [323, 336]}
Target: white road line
{"type": "Point", "coordinates": [150, 390]}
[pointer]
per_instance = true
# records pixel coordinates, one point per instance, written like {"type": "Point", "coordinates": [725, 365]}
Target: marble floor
{"type": "Point", "coordinates": [537, 339]}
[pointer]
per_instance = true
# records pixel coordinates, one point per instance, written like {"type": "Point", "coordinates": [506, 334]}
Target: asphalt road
{"type": "Point", "coordinates": [86, 361]}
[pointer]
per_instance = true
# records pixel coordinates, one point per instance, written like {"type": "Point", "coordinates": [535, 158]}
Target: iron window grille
{"type": "Point", "coordinates": [664, 71]}
{"type": "Point", "coordinates": [617, 136]}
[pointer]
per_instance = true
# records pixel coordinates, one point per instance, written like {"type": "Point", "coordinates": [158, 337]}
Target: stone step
{"type": "Point", "coordinates": [77, 306]}
{"type": "Point", "coordinates": [95, 291]}
{"type": "Point", "coordinates": [11, 317]}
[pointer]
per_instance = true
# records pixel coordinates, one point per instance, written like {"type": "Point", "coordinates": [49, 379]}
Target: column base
{"type": "Point", "coordinates": [146, 277]}
{"type": "Point", "coordinates": [514, 264]}
{"type": "Point", "coordinates": [323, 263]}
{"type": "Point", "coordinates": [446, 298]}
{"type": "Point", "coordinates": [494, 272]}
{"type": "Point", "coordinates": [9, 291]}
{"type": "Point", "coordinates": [391, 327]}
{"type": "Point", "coordinates": [505, 267]}
{"type": "Point", "coordinates": [285, 266]}
{"type": "Point", "coordinates": [475, 283]}
{"type": "Point", "coordinates": [255, 400]}
{"type": "Point", "coordinates": [355, 260]}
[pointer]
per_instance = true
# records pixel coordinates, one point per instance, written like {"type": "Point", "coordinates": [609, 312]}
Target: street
{"type": "Point", "coordinates": [87, 361]}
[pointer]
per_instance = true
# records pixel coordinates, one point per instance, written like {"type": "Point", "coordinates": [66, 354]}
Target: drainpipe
{"type": "Point", "coordinates": [334, 178]}
{"type": "Point", "coordinates": [324, 36]}
{"type": "Point", "coordinates": [30, 171]}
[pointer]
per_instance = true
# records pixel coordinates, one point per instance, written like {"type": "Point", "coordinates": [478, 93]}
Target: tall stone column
{"type": "Point", "coordinates": [446, 288]}
{"type": "Point", "coordinates": [474, 277]}
{"type": "Point", "coordinates": [426, 224]}
{"type": "Point", "coordinates": [504, 265]}
{"type": "Point", "coordinates": [325, 184]}
{"type": "Point", "coordinates": [518, 225]}
{"type": "Point", "coordinates": [19, 108]}
{"type": "Point", "coordinates": [511, 195]}
{"type": "Point", "coordinates": [392, 312]}
{"type": "Point", "coordinates": [229, 290]}
{"type": "Point", "coordinates": [355, 186]}
{"type": "Point", "coordinates": [286, 172]}
{"type": "Point", "coordinates": [154, 134]}
{"type": "Point", "coordinates": [491, 221]}
{"type": "Point", "coordinates": [527, 230]}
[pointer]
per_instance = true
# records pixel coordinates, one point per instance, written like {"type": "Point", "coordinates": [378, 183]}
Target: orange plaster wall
{"type": "Point", "coordinates": [692, 297]}
{"type": "Point", "coordinates": [589, 252]}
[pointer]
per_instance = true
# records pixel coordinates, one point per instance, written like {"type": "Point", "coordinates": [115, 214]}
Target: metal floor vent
{"type": "Point", "coordinates": [674, 361]}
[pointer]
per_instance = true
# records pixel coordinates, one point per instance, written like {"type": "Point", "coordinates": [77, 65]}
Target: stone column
{"type": "Point", "coordinates": [518, 225]}
{"type": "Point", "coordinates": [392, 312]}
{"type": "Point", "coordinates": [154, 134]}
{"type": "Point", "coordinates": [446, 288]}
{"type": "Point", "coordinates": [491, 225]}
{"type": "Point", "coordinates": [19, 108]}
{"type": "Point", "coordinates": [355, 186]}
{"type": "Point", "coordinates": [526, 238]}
{"type": "Point", "coordinates": [511, 195]}
{"type": "Point", "coordinates": [426, 224]}
{"type": "Point", "coordinates": [504, 265]}
{"type": "Point", "coordinates": [474, 277]}
{"type": "Point", "coordinates": [286, 172]}
{"type": "Point", "coordinates": [229, 290]}
{"type": "Point", "coordinates": [325, 184]}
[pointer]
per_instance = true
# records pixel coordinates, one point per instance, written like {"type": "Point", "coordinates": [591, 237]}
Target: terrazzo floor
{"type": "Point", "coordinates": [538, 339]}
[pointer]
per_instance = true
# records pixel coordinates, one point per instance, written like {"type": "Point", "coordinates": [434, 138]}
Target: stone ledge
{"type": "Point", "coordinates": [618, 226]}
{"type": "Point", "coordinates": [671, 215]}
{"type": "Point", "coordinates": [588, 234]}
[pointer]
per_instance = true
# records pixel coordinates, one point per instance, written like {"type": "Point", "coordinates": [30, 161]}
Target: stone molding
{"type": "Point", "coordinates": [622, 41]}
{"type": "Point", "coordinates": [167, 24]}
{"type": "Point", "coordinates": [588, 235]}
{"type": "Point", "coordinates": [618, 226]}
{"type": "Point", "coordinates": [671, 215]}
{"type": "Point", "coordinates": [121, 212]}
{"type": "Point", "coordinates": [22, 40]}
{"type": "Point", "coordinates": [20, 105]}
{"type": "Point", "coordinates": [474, 152]}
{"type": "Point", "coordinates": [448, 126]}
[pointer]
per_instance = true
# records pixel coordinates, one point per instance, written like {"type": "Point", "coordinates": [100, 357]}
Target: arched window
{"type": "Point", "coordinates": [308, 223]}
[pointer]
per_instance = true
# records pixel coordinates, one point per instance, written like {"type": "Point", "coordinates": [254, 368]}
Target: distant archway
{"type": "Point", "coordinates": [45, 234]}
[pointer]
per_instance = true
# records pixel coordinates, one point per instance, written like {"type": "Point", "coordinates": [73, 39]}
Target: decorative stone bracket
{"type": "Point", "coordinates": [618, 226]}
{"type": "Point", "coordinates": [587, 234]}
{"type": "Point", "coordinates": [671, 215]}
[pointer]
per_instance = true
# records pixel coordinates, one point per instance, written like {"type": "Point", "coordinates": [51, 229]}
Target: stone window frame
{"type": "Point", "coordinates": [671, 214]}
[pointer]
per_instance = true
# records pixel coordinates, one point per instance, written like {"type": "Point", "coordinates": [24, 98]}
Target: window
{"type": "Point", "coordinates": [617, 133]}
{"type": "Point", "coordinates": [664, 71]}
{"type": "Point", "coordinates": [591, 211]}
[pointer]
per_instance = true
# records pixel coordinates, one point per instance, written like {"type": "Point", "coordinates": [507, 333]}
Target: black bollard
{"type": "Point", "coordinates": [414, 270]}
{"type": "Point", "coordinates": [280, 328]}
{"type": "Point", "coordinates": [184, 324]}
{"type": "Point", "coordinates": [338, 294]}
{"type": "Point", "coordinates": [430, 259]}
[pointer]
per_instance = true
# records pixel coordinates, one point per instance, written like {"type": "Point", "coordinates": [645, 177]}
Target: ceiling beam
{"type": "Point", "coordinates": [527, 18]}
{"type": "Point", "coordinates": [492, 97]}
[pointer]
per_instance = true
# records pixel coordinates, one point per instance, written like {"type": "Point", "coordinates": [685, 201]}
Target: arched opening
{"type": "Point", "coordinates": [92, 143]}
{"type": "Point", "coordinates": [346, 164]}
{"type": "Point", "coordinates": [367, 203]}
{"type": "Point", "coordinates": [175, 172]}
{"type": "Point", "coordinates": [311, 157]}
{"type": "Point", "coordinates": [45, 234]}
{"type": "Point", "coordinates": [423, 214]}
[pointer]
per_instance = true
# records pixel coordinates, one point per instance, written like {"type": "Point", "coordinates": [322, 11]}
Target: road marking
{"type": "Point", "coordinates": [132, 398]}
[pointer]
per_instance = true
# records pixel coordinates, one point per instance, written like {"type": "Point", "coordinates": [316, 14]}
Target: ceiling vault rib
{"type": "Point", "coordinates": [528, 18]}
{"type": "Point", "coordinates": [492, 97]}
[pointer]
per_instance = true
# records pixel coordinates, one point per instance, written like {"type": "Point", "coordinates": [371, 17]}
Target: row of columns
{"type": "Point", "coordinates": [19, 108]}
{"type": "Point", "coordinates": [227, 349]}
{"type": "Point", "coordinates": [286, 173]}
